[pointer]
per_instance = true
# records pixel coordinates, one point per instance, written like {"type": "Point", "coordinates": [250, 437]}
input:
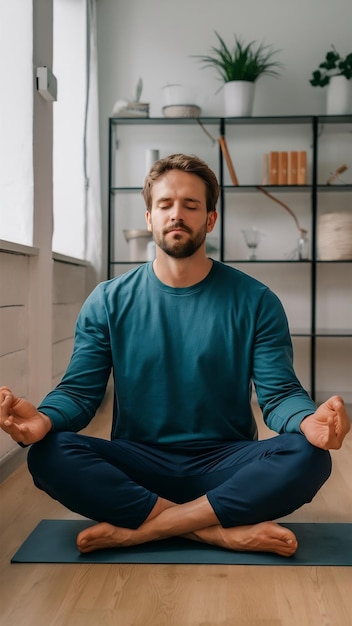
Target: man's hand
{"type": "Point", "coordinates": [21, 420]}
{"type": "Point", "coordinates": [328, 426]}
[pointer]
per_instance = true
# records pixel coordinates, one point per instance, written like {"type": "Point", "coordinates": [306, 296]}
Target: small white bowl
{"type": "Point", "coordinates": [181, 110]}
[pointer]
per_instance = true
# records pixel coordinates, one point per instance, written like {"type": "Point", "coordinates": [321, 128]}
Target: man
{"type": "Point", "coordinates": [185, 337]}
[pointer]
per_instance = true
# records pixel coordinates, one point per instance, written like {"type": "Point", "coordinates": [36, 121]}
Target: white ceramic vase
{"type": "Point", "coordinates": [239, 96]}
{"type": "Point", "coordinates": [338, 96]}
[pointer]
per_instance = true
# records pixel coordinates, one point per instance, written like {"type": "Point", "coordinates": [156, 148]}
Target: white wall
{"type": "Point", "coordinates": [155, 40]}
{"type": "Point", "coordinates": [16, 154]}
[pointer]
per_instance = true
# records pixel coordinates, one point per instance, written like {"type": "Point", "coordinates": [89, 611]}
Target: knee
{"type": "Point", "coordinates": [314, 462]}
{"type": "Point", "coordinates": [46, 453]}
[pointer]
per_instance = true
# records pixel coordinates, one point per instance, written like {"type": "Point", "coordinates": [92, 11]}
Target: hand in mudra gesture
{"type": "Point", "coordinates": [328, 426]}
{"type": "Point", "coordinates": [21, 420]}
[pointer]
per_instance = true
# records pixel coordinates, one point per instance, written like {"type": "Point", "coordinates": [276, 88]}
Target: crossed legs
{"type": "Point", "coordinates": [194, 520]}
{"type": "Point", "coordinates": [232, 506]}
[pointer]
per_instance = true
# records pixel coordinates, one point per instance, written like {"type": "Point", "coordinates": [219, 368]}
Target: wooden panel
{"type": "Point", "coordinates": [13, 274]}
{"type": "Point", "coordinates": [61, 355]}
{"type": "Point", "coordinates": [13, 374]}
{"type": "Point", "coordinates": [7, 446]}
{"type": "Point", "coordinates": [64, 320]}
{"type": "Point", "coordinates": [68, 283]}
{"type": "Point", "coordinates": [13, 329]}
{"type": "Point", "coordinates": [13, 371]}
{"type": "Point", "coordinates": [56, 379]}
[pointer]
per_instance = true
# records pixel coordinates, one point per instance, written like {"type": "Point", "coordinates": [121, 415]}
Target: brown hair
{"type": "Point", "coordinates": [186, 163]}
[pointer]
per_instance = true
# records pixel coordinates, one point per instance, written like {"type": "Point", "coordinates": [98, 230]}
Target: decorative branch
{"type": "Point", "coordinates": [224, 149]}
{"type": "Point", "coordinates": [234, 179]}
{"type": "Point", "coordinates": [335, 175]}
{"type": "Point", "coordinates": [303, 231]}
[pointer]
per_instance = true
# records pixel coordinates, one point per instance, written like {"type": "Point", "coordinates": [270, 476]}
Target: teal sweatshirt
{"type": "Point", "coordinates": [183, 360]}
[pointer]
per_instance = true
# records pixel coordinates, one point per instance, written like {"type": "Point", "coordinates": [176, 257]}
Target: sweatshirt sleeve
{"type": "Point", "coordinates": [281, 397]}
{"type": "Point", "coordinates": [75, 400]}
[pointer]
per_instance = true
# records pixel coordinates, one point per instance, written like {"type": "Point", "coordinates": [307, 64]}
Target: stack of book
{"type": "Point", "coordinates": [285, 168]}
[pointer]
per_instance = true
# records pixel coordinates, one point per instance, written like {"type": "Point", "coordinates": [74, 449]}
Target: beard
{"type": "Point", "coordinates": [178, 248]}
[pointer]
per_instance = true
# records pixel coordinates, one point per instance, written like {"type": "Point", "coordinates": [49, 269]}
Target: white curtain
{"type": "Point", "coordinates": [16, 122]}
{"type": "Point", "coordinates": [93, 209]}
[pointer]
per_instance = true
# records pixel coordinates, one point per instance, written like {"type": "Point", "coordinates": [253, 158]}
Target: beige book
{"type": "Point", "coordinates": [292, 167]}
{"type": "Point", "coordinates": [265, 178]}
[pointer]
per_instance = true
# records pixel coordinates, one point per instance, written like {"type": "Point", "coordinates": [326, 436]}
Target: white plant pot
{"type": "Point", "coordinates": [239, 96]}
{"type": "Point", "coordinates": [338, 96]}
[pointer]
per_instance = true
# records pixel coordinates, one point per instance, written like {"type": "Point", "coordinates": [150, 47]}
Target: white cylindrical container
{"type": "Point", "coordinates": [151, 251]}
{"type": "Point", "coordinates": [151, 155]}
{"type": "Point", "coordinates": [239, 97]}
{"type": "Point", "coordinates": [335, 236]}
{"type": "Point", "coordinates": [303, 247]}
{"type": "Point", "coordinates": [137, 243]}
{"type": "Point", "coordinates": [338, 96]}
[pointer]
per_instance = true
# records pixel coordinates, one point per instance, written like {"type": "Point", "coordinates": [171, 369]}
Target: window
{"type": "Point", "coordinates": [69, 61]}
{"type": "Point", "coordinates": [16, 122]}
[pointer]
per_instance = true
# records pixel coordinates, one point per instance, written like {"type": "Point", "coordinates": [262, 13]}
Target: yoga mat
{"type": "Point", "coordinates": [54, 541]}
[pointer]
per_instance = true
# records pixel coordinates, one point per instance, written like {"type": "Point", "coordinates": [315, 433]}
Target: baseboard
{"type": "Point", "coordinates": [12, 462]}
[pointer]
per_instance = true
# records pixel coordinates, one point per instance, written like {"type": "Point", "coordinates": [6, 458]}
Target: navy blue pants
{"type": "Point", "coordinates": [119, 481]}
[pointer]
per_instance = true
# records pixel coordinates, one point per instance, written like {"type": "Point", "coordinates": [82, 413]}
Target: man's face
{"type": "Point", "coordinates": [179, 220]}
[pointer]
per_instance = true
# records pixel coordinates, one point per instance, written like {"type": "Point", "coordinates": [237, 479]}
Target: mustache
{"type": "Point", "coordinates": [177, 225]}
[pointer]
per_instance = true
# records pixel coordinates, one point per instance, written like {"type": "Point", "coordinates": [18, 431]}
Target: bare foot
{"type": "Point", "coordinates": [263, 537]}
{"type": "Point", "coordinates": [103, 536]}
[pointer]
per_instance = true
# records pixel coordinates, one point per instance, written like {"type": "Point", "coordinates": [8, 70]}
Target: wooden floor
{"type": "Point", "coordinates": [169, 595]}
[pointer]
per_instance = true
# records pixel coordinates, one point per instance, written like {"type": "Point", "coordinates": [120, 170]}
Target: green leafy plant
{"type": "Point", "coordinates": [242, 62]}
{"type": "Point", "coordinates": [334, 65]}
{"type": "Point", "coordinates": [139, 89]}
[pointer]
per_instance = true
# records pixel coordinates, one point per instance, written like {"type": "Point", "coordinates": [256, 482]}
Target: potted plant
{"type": "Point", "coordinates": [335, 72]}
{"type": "Point", "coordinates": [238, 68]}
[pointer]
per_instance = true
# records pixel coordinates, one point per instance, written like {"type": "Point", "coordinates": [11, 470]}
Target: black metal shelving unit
{"type": "Point", "coordinates": [316, 124]}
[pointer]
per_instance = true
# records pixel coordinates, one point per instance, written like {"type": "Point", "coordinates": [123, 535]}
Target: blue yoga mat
{"type": "Point", "coordinates": [54, 541]}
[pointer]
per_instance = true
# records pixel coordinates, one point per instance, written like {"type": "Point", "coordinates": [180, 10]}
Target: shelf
{"type": "Point", "coordinates": [333, 188]}
{"type": "Point", "coordinates": [237, 189]}
{"type": "Point", "coordinates": [272, 120]}
{"type": "Point", "coordinates": [333, 332]}
{"type": "Point", "coordinates": [321, 261]}
{"type": "Point", "coordinates": [258, 261]}
{"type": "Point", "coordinates": [126, 189]}
{"type": "Point", "coordinates": [237, 262]}
{"type": "Point", "coordinates": [239, 121]}
{"type": "Point", "coordinates": [127, 262]}
{"type": "Point", "coordinates": [159, 121]}
{"type": "Point", "coordinates": [334, 119]}
{"type": "Point", "coordinates": [242, 188]}
{"type": "Point", "coordinates": [310, 200]}
{"type": "Point", "coordinates": [272, 188]}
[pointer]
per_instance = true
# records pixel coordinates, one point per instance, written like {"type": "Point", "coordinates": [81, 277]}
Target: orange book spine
{"type": "Point", "coordinates": [283, 163]}
{"type": "Point", "coordinates": [292, 167]}
{"type": "Point", "coordinates": [273, 168]}
{"type": "Point", "coordinates": [302, 168]}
